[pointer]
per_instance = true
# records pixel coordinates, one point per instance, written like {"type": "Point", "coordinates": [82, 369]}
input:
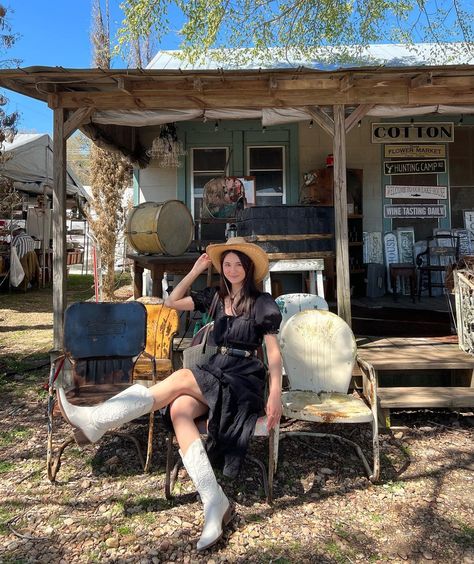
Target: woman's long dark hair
{"type": "Point", "coordinates": [249, 290]}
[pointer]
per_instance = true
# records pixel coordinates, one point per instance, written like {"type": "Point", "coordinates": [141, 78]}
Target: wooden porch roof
{"type": "Point", "coordinates": [141, 89]}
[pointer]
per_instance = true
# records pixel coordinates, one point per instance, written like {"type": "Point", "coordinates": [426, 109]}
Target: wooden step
{"type": "Point", "coordinates": [445, 396]}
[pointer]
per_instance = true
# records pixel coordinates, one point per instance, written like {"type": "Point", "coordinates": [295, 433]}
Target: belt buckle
{"type": "Point", "coordinates": [224, 350]}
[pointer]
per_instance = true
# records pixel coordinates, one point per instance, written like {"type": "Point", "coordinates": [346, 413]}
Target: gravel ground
{"type": "Point", "coordinates": [103, 509]}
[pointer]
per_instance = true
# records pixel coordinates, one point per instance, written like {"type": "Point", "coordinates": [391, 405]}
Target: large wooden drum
{"type": "Point", "coordinates": [160, 227]}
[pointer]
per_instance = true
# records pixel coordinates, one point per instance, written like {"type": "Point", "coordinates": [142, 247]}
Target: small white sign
{"type": "Point", "coordinates": [416, 192]}
{"type": "Point", "coordinates": [414, 211]}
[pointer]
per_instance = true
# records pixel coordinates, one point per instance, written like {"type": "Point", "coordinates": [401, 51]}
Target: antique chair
{"type": "Point", "coordinates": [162, 325]}
{"type": "Point", "coordinates": [101, 343]}
{"type": "Point", "coordinates": [319, 351]}
{"type": "Point", "coordinates": [442, 250]}
{"type": "Point", "coordinates": [261, 430]}
{"type": "Point", "coordinates": [290, 304]}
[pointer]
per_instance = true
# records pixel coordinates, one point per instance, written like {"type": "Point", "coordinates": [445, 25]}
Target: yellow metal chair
{"type": "Point", "coordinates": [162, 326]}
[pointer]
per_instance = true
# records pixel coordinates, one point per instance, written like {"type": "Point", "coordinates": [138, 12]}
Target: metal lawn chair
{"type": "Point", "coordinates": [101, 344]}
{"type": "Point", "coordinates": [319, 351]}
{"type": "Point", "coordinates": [162, 325]}
{"type": "Point", "coordinates": [261, 430]}
{"type": "Point", "coordinates": [290, 304]}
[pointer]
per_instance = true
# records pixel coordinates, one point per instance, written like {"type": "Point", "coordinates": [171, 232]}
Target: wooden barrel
{"type": "Point", "coordinates": [160, 227]}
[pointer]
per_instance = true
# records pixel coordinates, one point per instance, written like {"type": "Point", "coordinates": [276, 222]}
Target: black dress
{"type": "Point", "coordinates": [233, 386]}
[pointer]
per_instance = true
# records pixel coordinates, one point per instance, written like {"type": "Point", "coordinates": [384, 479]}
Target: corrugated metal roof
{"type": "Point", "coordinates": [377, 55]}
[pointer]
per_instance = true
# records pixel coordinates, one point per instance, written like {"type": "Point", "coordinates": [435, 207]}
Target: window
{"type": "Point", "coordinates": [267, 164]}
{"type": "Point", "coordinates": [207, 163]}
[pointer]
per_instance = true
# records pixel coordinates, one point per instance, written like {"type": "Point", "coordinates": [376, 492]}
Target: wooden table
{"type": "Point", "coordinates": [421, 353]}
{"type": "Point", "coordinates": [158, 265]}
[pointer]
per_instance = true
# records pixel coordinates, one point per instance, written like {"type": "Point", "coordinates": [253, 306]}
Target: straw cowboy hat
{"type": "Point", "coordinates": [255, 253]}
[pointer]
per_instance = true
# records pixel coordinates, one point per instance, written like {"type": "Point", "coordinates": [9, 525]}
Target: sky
{"type": "Point", "coordinates": [52, 33]}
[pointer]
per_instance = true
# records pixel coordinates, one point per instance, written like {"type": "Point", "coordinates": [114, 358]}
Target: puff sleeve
{"type": "Point", "coordinates": [203, 298]}
{"type": "Point", "coordinates": [267, 314]}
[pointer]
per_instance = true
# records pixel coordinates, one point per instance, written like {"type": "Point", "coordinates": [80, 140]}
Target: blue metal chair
{"type": "Point", "coordinates": [102, 342]}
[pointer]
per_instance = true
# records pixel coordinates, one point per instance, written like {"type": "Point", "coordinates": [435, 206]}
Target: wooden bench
{"type": "Point", "coordinates": [408, 354]}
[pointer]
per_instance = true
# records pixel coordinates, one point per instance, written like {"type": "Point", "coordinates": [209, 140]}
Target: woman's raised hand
{"type": "Point", "coordinates": [202, 263]}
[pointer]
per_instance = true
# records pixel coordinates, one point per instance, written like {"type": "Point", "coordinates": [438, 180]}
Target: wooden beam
{"type": "Point", "coordinates": [322, 119]}
{"type": "Point", "coordinates": [346, 82]}
{"type": "Point", "coordinates": [353, 118]}
{"type": "Point", "coordinates": [435, 95]}
{"type": "Point", "coordinates": [125, 85]}
{"type": "Point", "coordinates": [78, 118]}
{"type": "Point", "coordinates": [340, 212]}
{"type": "Point", "coordinates": [59, 228]}
{"type": "Point", "coordinates": [228, 98]}
{"type": "Point", "coordinates": [423, 79]}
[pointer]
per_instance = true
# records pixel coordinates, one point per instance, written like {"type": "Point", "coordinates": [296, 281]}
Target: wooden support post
{"type": "Point", "coordinates": [340, 212]}
{"type": "Point", "coordinates": [59, 227]}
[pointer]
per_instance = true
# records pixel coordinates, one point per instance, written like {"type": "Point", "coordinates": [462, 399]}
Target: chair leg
{"type": "Point", "coordinates": [376, 452]}
{"type": "Point", "coordinates": [272, 441]}
{"type": "Point", "coordinates": [169, 462]}
{"type": "Point", "coordinates": [149, 450]}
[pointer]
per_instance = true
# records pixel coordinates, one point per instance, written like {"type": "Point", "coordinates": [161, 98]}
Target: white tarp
{"type": "Point", "coordinates": [269, 116]}
{"type": "Point", "coordinates": [29, 164]}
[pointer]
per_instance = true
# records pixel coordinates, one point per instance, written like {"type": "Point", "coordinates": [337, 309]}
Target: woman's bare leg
{"type": "Point", "coordinates": [183, 411]}
{"type": "Point", "coordinates": [180, 383]}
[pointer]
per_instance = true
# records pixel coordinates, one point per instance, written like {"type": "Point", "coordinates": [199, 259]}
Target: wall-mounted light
{"type": "Point", "coordinates": [359, 123]}
{"type": "Point", "coordinates": [264, 129]}
{"type": "Point", "coordinates": [412, 121]}
{"type": "Point", "coordinates": [216, 126]}
{"type": "Point", "coordinates": [461, 120]}
{"type": "Point", "coordinates": [311, 124]}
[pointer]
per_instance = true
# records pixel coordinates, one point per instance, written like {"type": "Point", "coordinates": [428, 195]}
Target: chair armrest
{"type": "Point", "coordinates": [369, 381]}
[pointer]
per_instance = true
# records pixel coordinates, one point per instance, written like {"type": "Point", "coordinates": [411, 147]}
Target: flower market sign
{"type": "Point", "coordinates": [414, 151]}
{"type": "Point", "coordinates": [440, 132]}
{"type": "Point", "coordinates": [414, 211]}
{"type": "Point", "coordinates": [415, 167]}
{"type": "Point", "coordinates": [416, 192]}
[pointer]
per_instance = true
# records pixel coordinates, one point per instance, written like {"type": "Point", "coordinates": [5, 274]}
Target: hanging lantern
{"type": "Point", "coordinates": [166, 148]}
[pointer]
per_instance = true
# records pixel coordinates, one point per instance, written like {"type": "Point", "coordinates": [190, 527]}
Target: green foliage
{"type": "Point", "coordinates": [13, 435]}
{"type": "Point", "coordinates": [296, 28]}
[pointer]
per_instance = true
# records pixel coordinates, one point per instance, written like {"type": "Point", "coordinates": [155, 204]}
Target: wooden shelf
{"type": "Point", "coordinates": [355, 243]}
{"type": "Point", "coordinates": [357, 271]}
{"type": "Point", "coordinates": [355, 216]}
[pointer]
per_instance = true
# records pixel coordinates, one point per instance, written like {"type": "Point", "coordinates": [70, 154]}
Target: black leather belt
{"type": "Point", "coordinates": [236, 352]}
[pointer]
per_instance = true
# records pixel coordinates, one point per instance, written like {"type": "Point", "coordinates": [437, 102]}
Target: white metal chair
{"type": "Point", "coordinates": [319, 351]}
{"type": "Point", "coordinates": [290, 304]}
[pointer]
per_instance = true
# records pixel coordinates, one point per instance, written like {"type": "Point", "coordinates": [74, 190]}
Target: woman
{"type": "Point", "coordinates": [229, 389]}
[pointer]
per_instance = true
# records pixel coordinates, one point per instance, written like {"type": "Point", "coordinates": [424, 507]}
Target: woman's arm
{"type": "Point", "coordinates": [178, 299]}
{"type": "Point", "coordinates": [273, 409]}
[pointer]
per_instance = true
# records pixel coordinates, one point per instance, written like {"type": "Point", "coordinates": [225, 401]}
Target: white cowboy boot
{"type": "Point", "coordinates": [217, 509]}
{"type": "Point", "coordinates": [96, 420]}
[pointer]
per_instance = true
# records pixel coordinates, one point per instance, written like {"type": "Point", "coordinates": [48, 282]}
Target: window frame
{"type": "Point", "coordinates": [226, 148]}
{"type": "Point", "coordinates": [284, 171]}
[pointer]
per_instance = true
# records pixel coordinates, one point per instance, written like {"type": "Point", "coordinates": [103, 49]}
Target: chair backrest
{"type": "Point", "coordinates": [318, 350]}
{"type": "Point", "coordinates": [162, 325]}
{"type": "Point", "coordinates": [442, 249]}
{"type": "Point", "coordinates": [99, 330]}
{"type": "Point", "coordinates": [290, 304]}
